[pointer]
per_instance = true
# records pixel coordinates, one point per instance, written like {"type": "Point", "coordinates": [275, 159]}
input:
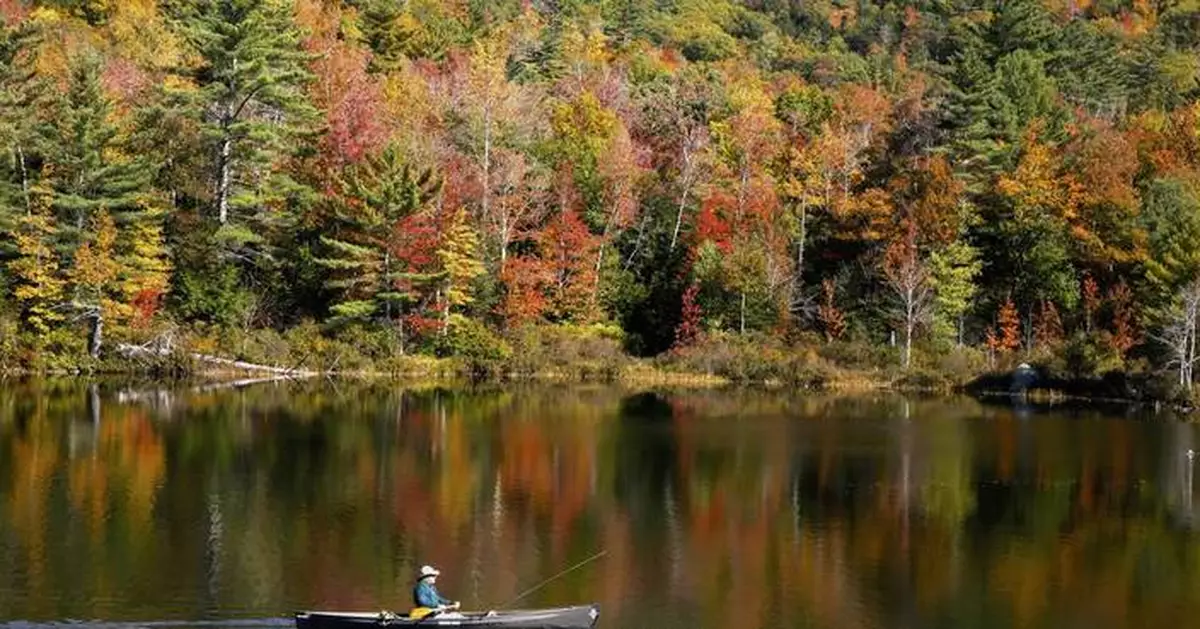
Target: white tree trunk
{"type": "Point", "coordinates": [679, 217]}
{"type": "Point", "coordinates": [24, 180]}
{"type": "Point", "coordinates": [487, 162]}
{"type": "Point", "coordinates": [742, 328]}
{"type": "Point", "coordinates": [224, 178]}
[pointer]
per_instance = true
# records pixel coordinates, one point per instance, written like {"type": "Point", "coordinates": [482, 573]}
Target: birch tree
{"type": "Point", "coordinates": [1179, 333]}
{"type": "Point", "coordinates": [908, 275]}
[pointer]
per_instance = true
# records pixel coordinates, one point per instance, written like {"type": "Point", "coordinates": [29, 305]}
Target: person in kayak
{"type": "Point", "coordinates": [426, 598]}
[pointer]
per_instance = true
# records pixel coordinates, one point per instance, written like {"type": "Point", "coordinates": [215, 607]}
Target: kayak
{"type": "Point", "coordinates": [580, 617]}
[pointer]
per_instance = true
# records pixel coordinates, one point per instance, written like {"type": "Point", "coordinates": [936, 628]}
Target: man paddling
{"type": "Point", "coordinates": [426, 597]}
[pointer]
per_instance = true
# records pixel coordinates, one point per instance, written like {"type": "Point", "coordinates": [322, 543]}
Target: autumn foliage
{"type": "Point", "coordinates": [1005, 336]}
{"type": "Point", "coordinates": [833, 322]}
{"type": "Point", "coordinates": [395, 167]}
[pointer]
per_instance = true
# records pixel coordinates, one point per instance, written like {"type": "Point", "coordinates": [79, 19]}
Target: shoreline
{"type": "Point", "coordinates": [427, 370]}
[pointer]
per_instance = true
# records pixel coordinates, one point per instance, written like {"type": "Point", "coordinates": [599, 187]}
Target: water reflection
{"type": "Point", "coordinates": [717, 509]}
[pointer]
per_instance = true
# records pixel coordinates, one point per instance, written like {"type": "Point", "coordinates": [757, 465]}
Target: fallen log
{"type": "Point", "coordinates": [136, 351]}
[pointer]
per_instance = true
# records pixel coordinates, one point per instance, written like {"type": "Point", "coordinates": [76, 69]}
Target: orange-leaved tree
{"type": "Point", "coordinates": [1005, 336]}
{"type": "Point", "coordinates": [833, 322]}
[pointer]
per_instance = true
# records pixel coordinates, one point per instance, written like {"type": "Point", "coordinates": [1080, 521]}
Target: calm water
{"type": "Point", "coordinates": [129, 508]}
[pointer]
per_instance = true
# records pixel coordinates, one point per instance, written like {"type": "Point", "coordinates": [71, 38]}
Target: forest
{"type": "Point", "coordinates": [747, 187]}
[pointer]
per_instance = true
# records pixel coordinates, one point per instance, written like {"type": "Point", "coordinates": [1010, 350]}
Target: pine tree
{"type": "Point", "coordinates": [1088, 70]}
{"type": "Point", "coordinates": [87, 171]}
{"type": "Point", "coordinates": [1171, 216]}
{"type": "Point", "coordinates": [250, 98]}
{"type": "Point", "coordinates": [379, 255]}
{"type": "Point", "coordinates": [379, 21]}
{"type": "Point", "coordinates": [20, 92]}
{"type": "Point", "coordinates": [972, 91]}
{"type": "Point", "coordinates": [459, 255]}
{"type": "Point", "coordinates": [396, 31]}
{"type": "Point", "coordinates": [1023, 25]}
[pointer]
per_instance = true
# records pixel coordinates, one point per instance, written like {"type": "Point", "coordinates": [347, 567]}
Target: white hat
{"type": "Point", "coordinates": [429, 571]}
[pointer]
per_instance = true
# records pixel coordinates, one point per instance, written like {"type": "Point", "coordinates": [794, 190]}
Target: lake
{"type": "Point", "coordinates": [128, 506]}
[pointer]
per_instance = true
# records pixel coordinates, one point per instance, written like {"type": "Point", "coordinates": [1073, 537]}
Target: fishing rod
{"type": "Point", "coordinates": [551, 579]}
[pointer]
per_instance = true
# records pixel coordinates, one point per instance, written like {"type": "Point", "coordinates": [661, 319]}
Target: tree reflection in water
{"type": "Point", "coordinates": [717, 509]}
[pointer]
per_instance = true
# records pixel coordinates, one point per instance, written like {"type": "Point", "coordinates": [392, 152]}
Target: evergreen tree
{"type": "Point", "coordinates": [972, 90]}
{"type": "Point", "coordinates": [1024, 94]}
{"type": "Point", "coordinates": [1023, 25]}
{"type": "Point", "coordinates": [88, 172]}
{"type": "Point", "coordinates": [250, 98]}
{"type": "Point", "coordinates": [379, 21]}
{"type": "Point", "coordinates": [20, 92]}
{"type": "Point", "coordinates": [1171, 214]}
{"type": "Point", "coordinates": [396, 31]}
{"type": "Point", "coordinates": [1089, 70]}
{"type": "Point", "coordinates": [370, 255]}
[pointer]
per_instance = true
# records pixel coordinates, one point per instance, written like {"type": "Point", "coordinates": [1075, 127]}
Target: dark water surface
{"type": "Point", "coordinates": [121, 509]}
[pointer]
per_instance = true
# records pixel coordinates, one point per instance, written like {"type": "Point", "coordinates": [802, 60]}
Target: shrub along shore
{"type": "Point", "coordinates": [585, 354]}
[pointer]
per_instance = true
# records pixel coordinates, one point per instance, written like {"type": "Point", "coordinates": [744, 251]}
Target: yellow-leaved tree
{"type": "Point", "coordinates": [94, 288]}
{"type": "Point", "coordinates": [145, 268]}
{"type": "Point", "coordinates": [37, 285]}
{"type": "Point", "coordinates": [459, 255]}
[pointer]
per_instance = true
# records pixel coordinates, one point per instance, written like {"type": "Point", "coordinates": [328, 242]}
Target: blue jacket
{"type": "Point", "coordinates": [425, 595]}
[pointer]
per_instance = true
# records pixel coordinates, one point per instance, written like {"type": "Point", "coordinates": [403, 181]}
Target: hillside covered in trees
{"type": "Point", "coordinates": [974, 180]}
